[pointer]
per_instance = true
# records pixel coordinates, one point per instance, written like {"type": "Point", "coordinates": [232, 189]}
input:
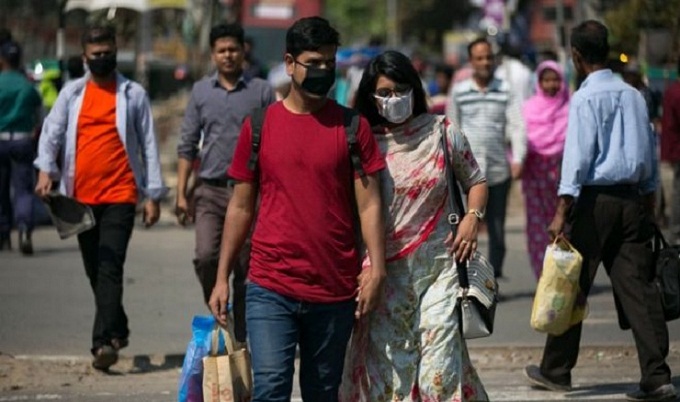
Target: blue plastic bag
{"type": "Point", "coordinates": [191, 379]}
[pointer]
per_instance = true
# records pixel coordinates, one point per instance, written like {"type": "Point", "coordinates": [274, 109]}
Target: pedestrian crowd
{"type": "Point", "coordinates": [333, 220]}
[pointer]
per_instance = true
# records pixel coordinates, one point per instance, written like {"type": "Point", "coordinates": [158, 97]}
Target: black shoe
{"type": "Point", "coordinates": [25, 243]}
{"type": "Point", "coordinates": [5, 241]}
{"type": "Point", "coordinates": [119, 343]}
{"type": "Point", "coordinates": [663, 393]}
{"type": "Point", "coordinates": [533, 373]}
{"type": "Point", "coordinates": [105, 357]}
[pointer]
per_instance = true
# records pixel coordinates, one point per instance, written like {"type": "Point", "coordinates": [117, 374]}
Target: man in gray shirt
{"type": "Point", "coordinates": [488, 112]}
{"type": "Point", "coordinates": [219, 103]}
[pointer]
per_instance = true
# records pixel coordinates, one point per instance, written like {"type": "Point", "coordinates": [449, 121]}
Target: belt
{"type": "Point", "coordinates": [15, 135]}
{"type": "Point", "coordinates": [626, 190]}
{"type": "Point", "coordinates": [216, 182]}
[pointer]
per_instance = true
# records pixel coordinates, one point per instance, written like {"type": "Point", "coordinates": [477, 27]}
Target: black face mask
{"type": "Point", "coordinates": [318, 81]}
{"type": "Point", "coordinates": [102, 66]}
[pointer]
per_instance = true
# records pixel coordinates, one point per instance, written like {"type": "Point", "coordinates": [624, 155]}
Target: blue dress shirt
{"type": "Point", "coordinates": [609, 139]}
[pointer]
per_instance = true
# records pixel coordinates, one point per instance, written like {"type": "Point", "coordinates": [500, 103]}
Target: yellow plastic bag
{"type": "Point", "coordinates": [555, 306]}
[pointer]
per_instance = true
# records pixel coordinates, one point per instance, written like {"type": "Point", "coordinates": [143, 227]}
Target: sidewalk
{"type": "Point", "coordinates": [603, 373]}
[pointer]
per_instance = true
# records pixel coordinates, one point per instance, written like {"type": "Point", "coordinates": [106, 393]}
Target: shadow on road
{"type": "Point", "coordinates": [145, 364]}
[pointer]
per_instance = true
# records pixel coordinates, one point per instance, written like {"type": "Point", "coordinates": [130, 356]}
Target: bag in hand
{"type": "Point", "coordinates": [477, 300]}
{"type": "Point", "coordinates": [556, 303]}
{"type": "Point", "coordinates": [667, 275]}
{"type": "Point", "coordinates": [227, 377]}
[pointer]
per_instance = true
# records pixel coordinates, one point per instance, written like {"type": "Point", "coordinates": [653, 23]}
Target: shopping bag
{"type": "Point", "coordinates": [558, 304]}
{"type": "Point", "coordinates": [191, 379]}
{"type": "Point", "coordinates": [667, 280]}
{"type": "Point", "coordinates": [227, 377]}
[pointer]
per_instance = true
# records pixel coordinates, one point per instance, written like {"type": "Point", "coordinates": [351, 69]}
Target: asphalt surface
{"type": "Point", "coordinates": [46, 311]}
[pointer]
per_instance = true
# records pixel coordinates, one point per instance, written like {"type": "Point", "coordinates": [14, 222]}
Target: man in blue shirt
{"type": "Point", "coordinates": [609, 176]}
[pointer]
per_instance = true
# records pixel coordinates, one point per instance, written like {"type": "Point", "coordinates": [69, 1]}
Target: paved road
{"type": "Point", "coordinates": [46, 313]}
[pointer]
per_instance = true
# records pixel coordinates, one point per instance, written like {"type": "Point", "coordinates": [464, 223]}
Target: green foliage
{"type": "Point", "coordinates": [626, 21]}
{"type": "Point", "coordinates": [424, 21]}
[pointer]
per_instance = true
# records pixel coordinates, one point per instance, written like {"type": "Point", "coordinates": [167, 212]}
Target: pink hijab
{"type": "Point", "coordinates": [546, 116]}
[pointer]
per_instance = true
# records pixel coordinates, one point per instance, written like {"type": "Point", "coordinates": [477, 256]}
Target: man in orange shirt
{"type": "Point", "coordinates": [101, 126]}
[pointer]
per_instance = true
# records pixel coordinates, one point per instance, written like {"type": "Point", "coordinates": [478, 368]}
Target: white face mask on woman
{"type": "Point", "coordinates": [396, 109]}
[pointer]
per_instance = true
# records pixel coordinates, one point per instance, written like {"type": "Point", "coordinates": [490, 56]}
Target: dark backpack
{"type": "Point", "coordinates": [351, 123]}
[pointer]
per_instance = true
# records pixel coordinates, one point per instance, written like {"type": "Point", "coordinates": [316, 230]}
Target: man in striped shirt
{"type": "Point", "coordinates": [489, 114]}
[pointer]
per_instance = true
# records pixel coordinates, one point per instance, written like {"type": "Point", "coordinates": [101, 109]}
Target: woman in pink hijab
{"type": "Point", "coordinates": [546, 120]}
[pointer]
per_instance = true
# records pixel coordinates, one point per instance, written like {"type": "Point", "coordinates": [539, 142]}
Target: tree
{"type": "Point", "coordinates": [632, 16]}
{"type": "Point", "coordinates": [422, 20]}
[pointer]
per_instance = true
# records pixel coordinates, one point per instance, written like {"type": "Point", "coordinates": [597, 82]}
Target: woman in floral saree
{"type": "Point", "coordinates": [411, 348]}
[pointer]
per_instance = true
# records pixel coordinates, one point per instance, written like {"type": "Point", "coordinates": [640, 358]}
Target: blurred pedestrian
{"type": "Point", "coordinates": [75, 68]}
{"type": "Point", "coordinates": [20, 108]}
{"type": "Point", "coordinates": [609, 175]}
{"type": "Point", "coordinates": [5, 36]}
{"type": "Point", "coordinates": [488, 112]}
{"type": "Point", "coordinates": [252, 67]}
{"type": "Point", "coordinates": [443, 75]}
{"type": "Point", "coordinates": [218, 105]}
{"type": "Point", "coordinates": [546, 116]}
{"type": "Point", "coordinates": [304, 262]}
{"type": "Point", "coordinates": [419, 306]}
{"type": "Point", "coordinates": [101, 127]}
{"type": "Point", "coordinates": [670, 150]}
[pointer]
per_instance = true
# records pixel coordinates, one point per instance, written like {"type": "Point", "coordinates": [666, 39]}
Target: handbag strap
{"type": "Point", "coordinates": [456, 208]}
{"type": "Point", "coordinates": [229, 344]}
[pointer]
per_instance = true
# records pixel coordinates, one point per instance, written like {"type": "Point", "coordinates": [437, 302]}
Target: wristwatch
{"type": "Point", "coordinates": [479, 214]}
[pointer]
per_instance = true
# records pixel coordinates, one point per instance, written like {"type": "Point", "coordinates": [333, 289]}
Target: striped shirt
{"type": "Point", "coordinates": [489, 118]}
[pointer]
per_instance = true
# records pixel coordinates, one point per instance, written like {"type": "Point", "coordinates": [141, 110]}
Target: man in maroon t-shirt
{"type": "Point", "coordinates": [304, 261]}
{"type": "Point", "coordinates": [670, 149]}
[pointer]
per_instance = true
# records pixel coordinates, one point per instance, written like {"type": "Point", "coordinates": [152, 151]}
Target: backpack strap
{"type": "Point", "coordinates": [256, 122]}
{"type": "Point", "coordinates": [351, 128]}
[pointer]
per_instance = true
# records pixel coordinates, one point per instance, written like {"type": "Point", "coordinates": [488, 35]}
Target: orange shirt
{"type": "Point", "coordinates": [103, 173]}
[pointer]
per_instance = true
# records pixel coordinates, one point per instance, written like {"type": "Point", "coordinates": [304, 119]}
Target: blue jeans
{"type": "Point", "coordinates": [16, 172]}
{"type": "Point", "coordinates": [276, 325]}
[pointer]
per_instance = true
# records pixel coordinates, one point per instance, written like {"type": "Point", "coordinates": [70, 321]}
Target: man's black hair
{"type": "Point", "coordinates": [10, 52]}
{"type": "Point", "coordinates": [475, 43]}
{"type": "Point", "coordinates": [589, 38]}
{"type": "Point", "coordinates": [227, 31]}
{"type": "Point", "coordinates": [310, 34]}
{"type": "Point", "coordinates": [98, 34]}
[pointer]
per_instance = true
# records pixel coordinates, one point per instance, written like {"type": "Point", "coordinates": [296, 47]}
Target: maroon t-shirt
{"type": "Point", "coordinates": [303, 244]}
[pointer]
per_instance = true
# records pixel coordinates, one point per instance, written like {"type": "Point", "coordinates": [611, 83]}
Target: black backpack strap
{"type": "Point", "coordinates": [351, 128]}
{"type": "Point", "coordinates": [256, 122]}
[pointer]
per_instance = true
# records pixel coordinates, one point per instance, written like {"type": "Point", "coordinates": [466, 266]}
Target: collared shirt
{"type": "Point", "coordinates": [19, 103]}
{"type": "Point", "coordinates": [218, 114]}
{"type": "Point", "coordinates": [489, 118]}
{"type": "Point", "coordinates": [135, 128]}
{"type": "Point", "coordinates": [609, 139]}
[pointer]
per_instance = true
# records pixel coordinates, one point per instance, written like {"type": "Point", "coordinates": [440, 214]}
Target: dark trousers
{"type": "Point", "coordinates": [103, 249]}
{"type": "Point", "coordinates": [610, 225]}
{"type": "Point", "coordinates": [211, 208]}
{"type": "Point", "coordinates": [16, 172]}
{"type": "Point", "coordinates": [496, 209]}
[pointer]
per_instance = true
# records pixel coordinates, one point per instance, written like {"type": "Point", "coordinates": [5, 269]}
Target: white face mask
{"type": "Point", "coordinates": [396, 109]}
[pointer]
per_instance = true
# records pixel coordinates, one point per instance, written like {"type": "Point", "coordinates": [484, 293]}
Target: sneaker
{"type": "Point", "coordinates": [663, 393]}
{"type": "Point", "coordinates": [105, 357]}
{"type": "Point", "coordinates": [533, 373]}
